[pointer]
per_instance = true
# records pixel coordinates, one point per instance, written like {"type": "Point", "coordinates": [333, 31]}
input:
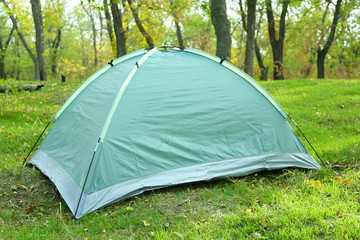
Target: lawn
{"type": "Point", "coordinates": [286, 204]}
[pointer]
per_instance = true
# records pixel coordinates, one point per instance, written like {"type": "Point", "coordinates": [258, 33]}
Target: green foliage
{"type": "Point", "coordinates": [285, 204]}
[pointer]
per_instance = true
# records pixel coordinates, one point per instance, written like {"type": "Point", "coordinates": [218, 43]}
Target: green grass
{"type": "Point", "coordinates": [286, 204]}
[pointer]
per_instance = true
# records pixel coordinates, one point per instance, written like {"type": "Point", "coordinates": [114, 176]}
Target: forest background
{"type": "Point", "coordinates": [283, 39]}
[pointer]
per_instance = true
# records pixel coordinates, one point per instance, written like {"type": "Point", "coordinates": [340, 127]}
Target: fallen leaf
{"type": "Point", "coordinates": [104, 233]}
{"type": "Point", "coordinates": [146, 224]}
{"type": "Point", "coordinates": [346, 181]}
{"type": "Point", "coordinates": [152, 233]}
{"type": "Point", "coordinates": [337, 179]}
{"type": "Point", "coordinates": [45, 192]}
{"type": "Point", "coordinates": [167, 224]}
{"type": "Point", "coordinates": [264, 223]}
{"type": "Point", "coordinates": [14, 188]}
{"type": "Point", "coordinates": [30, 209]}
{"type": "Point", "coordinates": [19, 186]}
{"type": "Point", "coordinates": [2, 194]}
{"type": "Point", "coordinates": [179, 235]}
{"type": "Point", "coordinates": [129, 208]}
{"type": "Point", "coordinates": [257, 235]}
{"type": "Point", "coordinates": [115, 207]}
{"type": "Point", "coordinates": [32, 188]}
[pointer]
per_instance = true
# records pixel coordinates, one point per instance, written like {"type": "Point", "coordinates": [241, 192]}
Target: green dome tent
{"type": "Point", "coordinates": [162, 117]}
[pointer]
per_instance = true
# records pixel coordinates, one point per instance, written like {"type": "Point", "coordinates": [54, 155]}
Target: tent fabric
{"type": "Point", "coordinates": [160, 118]}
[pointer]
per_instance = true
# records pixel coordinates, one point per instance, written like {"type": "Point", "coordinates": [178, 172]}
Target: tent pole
{"type": "Point", "coordinates": [86, 178]}
{"type": "Point", "coordinates": [47, 125]}
{"type": "Point", "coordinates": [307, 140]}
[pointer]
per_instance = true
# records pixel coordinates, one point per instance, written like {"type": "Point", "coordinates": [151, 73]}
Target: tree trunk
{"type": "Point", "coordinates": [54, 47]}
{"type": "Point", "coordinates": [175, 13]}
{"type": "Point", "coordinates": [250, 37]}
{"type": "Point", "coordinates": [94, 31]}
{"type": "Point", "coordinates": [321, 53]}
{"type": "Point", "coordinates": [178, 32]}
{"type": "Point", "coordinates": [119, 29]}
{"type": "Point", "coordinates": [3, 48]}
{"type": "Point", "coordinates": [36, 11]}
{"type": "Point", "coordinates": [277, 39]}
{"type": "Point", "coordinates": [222, 28]}
{"type": "Point", "coordinates": [23, 41]}
{"type": "Point", "coordinates": [263, 70]}
{"type": "Point", "coordinates": [109, 27]}
{"type": "Point", "coordinates": [2, 65]}
{"type": "Point", "coordinates": [141, 28]}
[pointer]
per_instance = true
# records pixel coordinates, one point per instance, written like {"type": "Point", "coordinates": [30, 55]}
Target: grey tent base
{"type": "Point", "coordinates": [71, 191]}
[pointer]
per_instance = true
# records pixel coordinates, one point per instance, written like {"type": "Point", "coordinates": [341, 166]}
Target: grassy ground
{"type": "Point", "coordinates": [287, 204]}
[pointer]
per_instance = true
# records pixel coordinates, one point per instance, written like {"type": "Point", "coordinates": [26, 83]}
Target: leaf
{"type": "Point", "coordinates": [257, 235]}
{"type": "Point", "coordinates": [19, 186]}
{"type": "Point", "coordinates": [104, 233]}
{"type": "Point", "coordinates": [146, 223]}
{"type": "Point", "coordinates": [129, 208]}
{"type": "Point", "coordinates": [179, 235]}
{"type": "Point", "coordinates": [2, 194]}
{"type": "Point", "coordinates": [30, 209]}
{"type": "Point", "coordinates": [32, 188]}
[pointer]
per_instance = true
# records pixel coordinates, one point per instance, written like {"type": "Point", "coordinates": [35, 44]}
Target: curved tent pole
{"type": "Point", "coordinates": [86, 178]}
{"type": "Point", "coordinates": [47, 125]}
{"type": "Point", "coordinates": [306, 140]}
{"type": "Point", "coordinates": [109, 117]}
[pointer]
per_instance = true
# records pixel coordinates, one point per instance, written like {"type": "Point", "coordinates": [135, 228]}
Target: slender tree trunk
{"type": "Point", "coordinates": [221, 24]}
{"type": "Point", "coordinates": [175, 13]}
{"type": "Point", "coordinates": [321, 52]}
{"type": "Point", "coordinates": [109, 27]}
{"type": "Point", "coordinates": [119, 29]}
{"type": "Point", "coordinates": [3, 48]}
{"type": "Point", "coordinates": [141, 28]}
{"type": "Point", "coordinates": [178, 33]}
{"type": "Point", "coordinates": [250, 37]}
{"type": "Point", "coordinates": [55, 46]}
{"type": "Point", "coordinates": [94, 35]}
{"type": "Point", "coordinates": [2, 65]}
{"type": "Point", "coordinates": [263, 69]}
{"type": "Point", "coordinates": [277, 40]}
{"type": "Point", "coordinates": [23, 41]}
{"type": "Point", "coordinates": [36, 10]}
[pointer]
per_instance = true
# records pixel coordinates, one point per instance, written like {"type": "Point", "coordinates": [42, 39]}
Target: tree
{"type": "Point", "coordinates": [22, 39]}
{"type": "Point", "coordinates": [321, 52]}
{"type": "Point", "coordinates": [221, 24]}
{"type": "Point", "coordinates": [109, 27]}
{"type": "Point", "coordinates": [175, 11]}
{"type": "Point", "coordinates": [90, 14]}
{"type": "Point", "coordinates": [250, 37]}
{"type": "Point", "coordinates": [119, 29]}
{"type": "Point", "coordinates": [263, 69]}
{"type": "Point", "coordinates": [140, 26]}
{"type": "Point", "coordinates": [3, 47]}
{"type": "Point", "coordinates": [277, 38]}
{"type": "Point", "coordinates": [39, 29]}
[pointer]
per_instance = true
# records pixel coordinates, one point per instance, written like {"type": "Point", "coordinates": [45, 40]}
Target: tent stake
{"type": "Point", "coordinates": [37, 141]}
{"type": "Point", "coordinates": [86, 178]}
{"type": "Point", "coordinates": [307, 140]}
